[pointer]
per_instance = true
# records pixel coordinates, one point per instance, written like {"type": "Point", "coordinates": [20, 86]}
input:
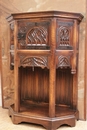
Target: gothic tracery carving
{"type": "Point", "coordinates": [33, 61]}
{"type": "Point", "coordinates": [64, 61]}
{"type": "Point", "coordinates": [64, 36]}
{"type": "Point", "coordinates": [37, 35]}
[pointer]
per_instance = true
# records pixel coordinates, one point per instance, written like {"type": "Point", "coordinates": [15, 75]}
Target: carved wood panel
{"type": "Point", "coordinates": [64, 35]}
{"type": "Point", "coordinates": [36, 35]}
{"type": "Point", "coordinates": [12, 46]}
{"type": "Point", "coordinates": [64, 61]}
{"type": "Point", "coordinates": [33, 61]}
{"type": "Point", "coordinates": [33, 35]}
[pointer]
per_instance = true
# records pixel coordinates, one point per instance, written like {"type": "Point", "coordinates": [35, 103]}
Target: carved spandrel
{"type": "Point", "coordinates": [36, 61]}
{"type": "Point", "coordinates": [64, 61]}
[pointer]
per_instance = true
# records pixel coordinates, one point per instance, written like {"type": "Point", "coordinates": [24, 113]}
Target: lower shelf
{"type": "Point", "coordinates": [39, 115]}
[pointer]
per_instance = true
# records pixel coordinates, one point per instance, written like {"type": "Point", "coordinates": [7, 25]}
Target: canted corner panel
{"type": "Point", "coordinates": [36, 61]}
{"type": "Point", "coordinates": [12, 45]}
{"type": "Point", "coordinates": [12, 35]}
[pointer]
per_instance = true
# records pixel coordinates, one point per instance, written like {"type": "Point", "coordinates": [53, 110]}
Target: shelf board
{"type": "Point", "coordinates": [42, 110]}
{"type": "Point", "coordinates": [29, 114]}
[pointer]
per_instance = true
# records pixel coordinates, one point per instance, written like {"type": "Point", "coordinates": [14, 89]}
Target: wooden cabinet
{"type": "Point", "coordinates": [44, 56]}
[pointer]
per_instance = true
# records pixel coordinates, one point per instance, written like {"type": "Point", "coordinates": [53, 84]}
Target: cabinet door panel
{"type": "Point", "coordinates": [33, 34]}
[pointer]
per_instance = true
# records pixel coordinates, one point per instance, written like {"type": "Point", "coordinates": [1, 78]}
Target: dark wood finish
{"type": "Point", "coordinates": [45, 67]}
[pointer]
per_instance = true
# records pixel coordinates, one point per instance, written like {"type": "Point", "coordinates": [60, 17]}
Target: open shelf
{"type": "Point", "coordinates": [42, 109]}
{"type": "Point", "coordinates": [38, 114]}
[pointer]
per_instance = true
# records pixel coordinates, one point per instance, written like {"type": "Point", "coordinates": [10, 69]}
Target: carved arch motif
{"type": "Point", "coordinates": [34, 61]}
{"type": "Point", "coordinates": [37, 35]}
{"type": "Point", "coordinates": [63, 61]}
{"type": "Point", "coordinates": [64, 36]}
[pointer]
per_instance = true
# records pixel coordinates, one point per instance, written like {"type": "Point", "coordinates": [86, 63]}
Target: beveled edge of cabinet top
{"type": "Point", "coordinates": [45, 14]}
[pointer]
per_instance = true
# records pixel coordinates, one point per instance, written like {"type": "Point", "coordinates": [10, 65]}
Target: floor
{"type": "Point", "coordinates": [6, 124]}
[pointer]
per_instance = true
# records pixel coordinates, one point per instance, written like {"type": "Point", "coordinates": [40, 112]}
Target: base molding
{"type": "Point", "coordinates": [48, 123]}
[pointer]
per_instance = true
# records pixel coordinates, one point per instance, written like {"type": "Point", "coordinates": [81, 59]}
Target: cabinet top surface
{"type": "Point", "coordinates": [45, 14]}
